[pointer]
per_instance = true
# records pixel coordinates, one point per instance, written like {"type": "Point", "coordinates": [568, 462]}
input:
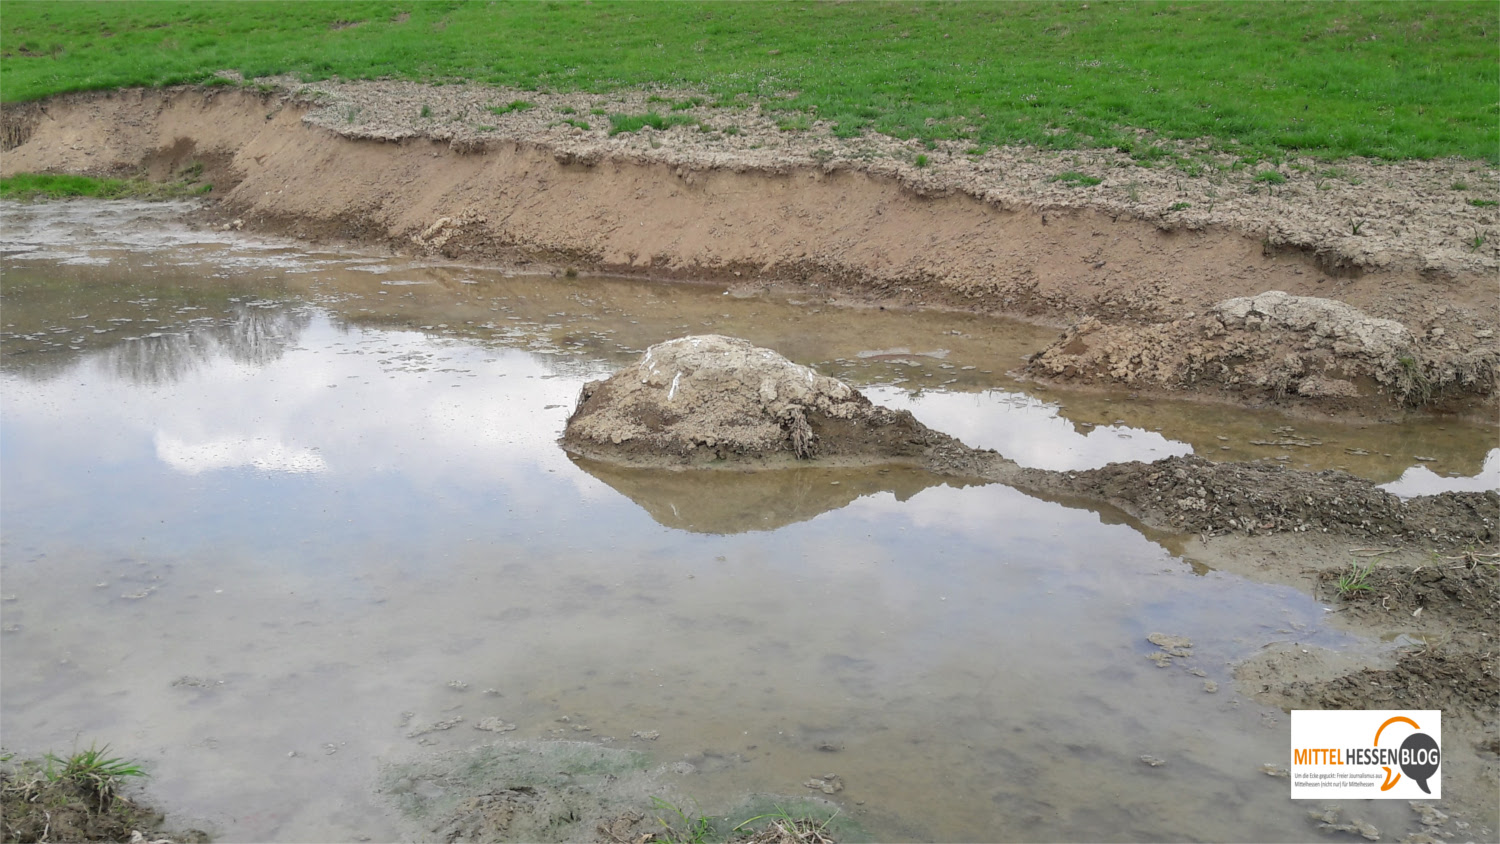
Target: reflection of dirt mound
{"type": "Point", "coordinates": [1275, 344]}
{"type": "Point", "coordinates": [1192, 495]}
{"type": "Point", "coordinates": [706, 398]}
{"type": "Point", "coordinates": [736, 502]}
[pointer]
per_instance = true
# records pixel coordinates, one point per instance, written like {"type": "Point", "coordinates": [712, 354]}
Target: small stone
{"type": "Point", "coordinates": [646, 735]}
{"type": "Point", "coordinates": [1153, 761]}
{"type": "Point", "coordinates": [828, 784]}
{"type": "Point", "coordinates": [494, 725]}
{"type": "Point", "coordinates": [1210, 686]}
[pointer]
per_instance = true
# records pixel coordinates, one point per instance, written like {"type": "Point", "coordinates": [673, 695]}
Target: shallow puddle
{"type": "Point", "coordinates": [271, 515]}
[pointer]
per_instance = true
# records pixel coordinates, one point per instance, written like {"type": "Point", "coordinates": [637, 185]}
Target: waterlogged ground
{"type": "Point", "coordinates": [276, 520]}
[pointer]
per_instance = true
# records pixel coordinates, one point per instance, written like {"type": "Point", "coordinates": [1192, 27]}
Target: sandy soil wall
{"type": "Point", "coordinates": [836, 229]}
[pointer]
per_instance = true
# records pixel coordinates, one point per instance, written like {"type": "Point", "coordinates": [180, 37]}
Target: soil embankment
{"type": "Point", "coordinates": [1133, 263]}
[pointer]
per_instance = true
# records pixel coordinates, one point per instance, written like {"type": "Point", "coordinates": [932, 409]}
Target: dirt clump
{"type": "Point", "coordinates": [1191, 495]}
{"type": "Point", "coordinates": [1464, 589]}
{"type": "Point", "coordinates": [706, 398]}
{"type": "Point", "coordinates": [35, 807]}
{"type": "Point", "coordinates": [1273, 345]}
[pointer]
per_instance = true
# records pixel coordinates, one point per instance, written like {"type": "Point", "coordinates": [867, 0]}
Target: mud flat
{"type": "Point", "coordinates": [1145, 267]}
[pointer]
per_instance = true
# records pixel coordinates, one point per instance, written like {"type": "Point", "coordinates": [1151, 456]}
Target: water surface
{"type": "Point", "coordinates": [266, 510]}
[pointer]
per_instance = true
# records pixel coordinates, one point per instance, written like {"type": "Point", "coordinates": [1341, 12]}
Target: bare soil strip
{"type": "Point", "coordinates": [1139, 259]}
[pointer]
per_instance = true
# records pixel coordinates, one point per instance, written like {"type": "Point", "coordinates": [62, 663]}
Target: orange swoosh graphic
{"type": "Point", "coordinates": [1389, 783]}
{"type": "Point", "coordinates": [1390, 721]}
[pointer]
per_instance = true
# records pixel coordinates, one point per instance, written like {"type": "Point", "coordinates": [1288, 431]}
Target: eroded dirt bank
{"type": "Point", "coordinates": [1138, 262]}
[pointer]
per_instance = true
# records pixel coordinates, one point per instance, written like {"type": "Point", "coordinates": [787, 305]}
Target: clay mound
{"type": "Point", "coordinates": [1273, 346]}
{"type": "Point", "coordinates": [714, 398]}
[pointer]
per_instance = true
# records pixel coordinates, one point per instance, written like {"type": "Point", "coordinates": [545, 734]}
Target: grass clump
{"type": "Point", "coordinates": [1483, 203]}
{"type": "Point", "coordinates": [1352, 582]}
{"type": "Point", "coordinates": [93, 770]}
{"type": "Point", "coordinates": [1073, 178]}
{"type": "Point", "coordinates": [622, 123]}
{"type": "Point", "coordinates": [1270, 177]}
{"type": "Point", "coordinates": [512, 106]}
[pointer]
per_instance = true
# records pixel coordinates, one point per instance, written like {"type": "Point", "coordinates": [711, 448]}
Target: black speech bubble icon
{"type": "Point", "coordinates": [1419, 759]}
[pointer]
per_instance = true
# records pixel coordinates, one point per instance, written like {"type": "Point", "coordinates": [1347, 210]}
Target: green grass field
{"type": "Point", "coordinates": [1388, 80]}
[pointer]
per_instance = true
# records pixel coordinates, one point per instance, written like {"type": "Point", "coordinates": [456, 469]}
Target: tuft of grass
{"type": "Point", "coordinates": [92, 770]}
{"type": "Point", "coordinates": [621, 123]}
{"type": "Point", "coordinates": [921, 161]}
{"type": "Point", "coordinates": [566, 110]}
{"type": "Point", "coordinates": [1460, 186]}
{"type": "Point", "coordinates": [1355, 226]}
{"type": "Point", "coordinates": [784, 826]}
{"type": "Point", "coordinates": [426, 111]}
{"type": "Point", "coordinates": [1383, 80]}
{"type": "Point", "coordinates": [1270, 177]}
{"type": "Point", "coordinates": [581, 124]}
{"type": "Point", "coordinates": [1476, 242]}
{"type": "Point", "coordinates": [794, 123]}
{"type": "Point", "coordinates": [512, 106]}
{"type": "Point", "coordinates": [1179, 206]}
{"type": "Point", "coordinates": [1483, 203]}
{"type": "Point", "coordinates": [694, 830]}
{"type": "Point", "coordinates": [1352, 581]}
{"type": "Point", "coordinates": [1074, 179]}
{"type": "Point", "coordinates": [1415, 386]}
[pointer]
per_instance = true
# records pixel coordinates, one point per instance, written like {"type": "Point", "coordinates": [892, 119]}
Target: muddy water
{"type": "Point", "coordinates": [270, 513]}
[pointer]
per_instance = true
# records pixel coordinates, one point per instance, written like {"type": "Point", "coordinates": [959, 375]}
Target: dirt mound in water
{"type": "Point", "coordinates": [1275, 344]}
{"type": "Point", "coordinates": [710, 398]}
{"type": "Point", "coordinates": [1191, 495]}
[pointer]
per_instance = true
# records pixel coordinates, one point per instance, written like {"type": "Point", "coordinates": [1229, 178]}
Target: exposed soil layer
{"type": "Point", "coordinates": [851, 218]}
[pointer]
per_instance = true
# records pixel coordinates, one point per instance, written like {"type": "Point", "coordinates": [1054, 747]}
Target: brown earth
{"type": "Point", "coordinates": [36, 809]}
{"type": "Point", "coordinates": [848, 219]}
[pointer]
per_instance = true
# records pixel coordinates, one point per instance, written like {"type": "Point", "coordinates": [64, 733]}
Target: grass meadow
{"type": "Point", "coordinates": [1392, 80]}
